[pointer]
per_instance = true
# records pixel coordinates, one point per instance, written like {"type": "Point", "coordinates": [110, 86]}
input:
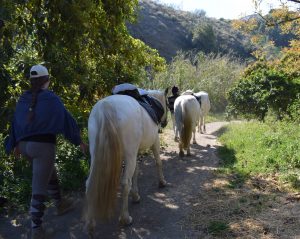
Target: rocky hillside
{"type": "Point", "coordinates": [169, 30]}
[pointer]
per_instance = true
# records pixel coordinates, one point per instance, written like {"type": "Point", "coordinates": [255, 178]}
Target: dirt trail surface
{"type": "Point", "coordinates": [182, 209]}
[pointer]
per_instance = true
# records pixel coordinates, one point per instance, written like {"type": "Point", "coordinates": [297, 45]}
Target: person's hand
{"type": "Point", "coordinates": [17, 152]}
{"type": "Point", "coordinates": [83, 147]}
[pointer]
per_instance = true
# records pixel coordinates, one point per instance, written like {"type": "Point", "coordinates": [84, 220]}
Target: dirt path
{"type": "Point", "coordinates": [193, 199]}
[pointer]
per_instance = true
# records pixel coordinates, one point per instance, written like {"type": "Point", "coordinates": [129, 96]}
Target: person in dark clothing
{"type": "Point", "coordinates": [171, 100]}
{"type": "Point", "coordinates": [39, 116]}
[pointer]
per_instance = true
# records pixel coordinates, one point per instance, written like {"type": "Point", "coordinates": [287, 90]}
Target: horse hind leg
{"type": "Point", "coordinates": [194, 136]}
{"type": "Point", "coordinates": [181, 152]}
{"type": "Point", "coordinates": [90, 228]}
{"type": "Point", "coordinates": [155, 150]}
{"type": "Point", "coordinates": [130, 165]}
{"type": "Point", "coordinates": [202, 125]}
{"type": "Point", "coordinates": [134, 190]}
{"type": "Point", "coordinates": [188, 151]}
{"type": "Point", "coordinates": [176, 139]}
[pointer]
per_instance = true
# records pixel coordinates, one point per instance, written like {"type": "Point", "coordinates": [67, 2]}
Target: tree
{"type": "Point", "coordinates": [84, 43]}
{"type": "Point", "coordinates": [204, 37]}
{"type": "Point", "coordinates": [263, 88]}
{"type": "Point", "coordinates": [259, 26]}
{"type": "Point", "coordinates": [270, 83]}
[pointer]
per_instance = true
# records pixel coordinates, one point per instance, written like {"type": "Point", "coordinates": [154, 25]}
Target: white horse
{"type": "Point", "coordinates": [204, 101]}
{"type": "Point", "coordinates": [187, 92]}
{"type": "Point", "coordinates": [118, 128]}
{"type": "Point", "coordinates": [187, 113]}
{"type": "Point", "coordinates": [205, 107]}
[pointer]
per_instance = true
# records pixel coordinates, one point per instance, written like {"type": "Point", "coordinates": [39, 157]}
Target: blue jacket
{"type": "Point", "coordinates": [50, 117]}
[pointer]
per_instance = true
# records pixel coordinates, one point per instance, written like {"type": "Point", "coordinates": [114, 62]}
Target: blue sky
{"type": "Point", "coordinates": [228, 9]}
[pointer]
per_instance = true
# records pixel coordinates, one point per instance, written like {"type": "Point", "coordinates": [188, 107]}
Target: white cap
{"type": "Point", "coordinates": [38, 71]}
{"type": "Point", "coordinates": [123, 87]}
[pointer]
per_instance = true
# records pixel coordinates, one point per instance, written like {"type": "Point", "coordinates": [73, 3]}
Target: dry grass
{"type": "Point", "coordinates": [259, 208]}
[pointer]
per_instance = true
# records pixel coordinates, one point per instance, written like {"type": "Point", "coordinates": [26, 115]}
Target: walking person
{"type": "Point", "coordinates": [39, 117]}
{"type": "Point", "coordinates": [171, 100]}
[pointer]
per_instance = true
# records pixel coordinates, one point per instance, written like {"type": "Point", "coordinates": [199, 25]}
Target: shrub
{"type": "Point", "coordinates": [262, 88]}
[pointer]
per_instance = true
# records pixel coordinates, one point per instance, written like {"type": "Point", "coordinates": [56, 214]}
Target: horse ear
{"type": "Point", "coordinates": [166, 90]}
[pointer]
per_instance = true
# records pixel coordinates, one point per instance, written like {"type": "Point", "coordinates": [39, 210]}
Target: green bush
{"type": "Point", "coordinates": [261, 89]}
{"type": "Point", "coordinates": [15, 181]}
{"type": "Point", "coordinates": [294, 110]}
{"type": "Point", "coordinates": [72, 166]}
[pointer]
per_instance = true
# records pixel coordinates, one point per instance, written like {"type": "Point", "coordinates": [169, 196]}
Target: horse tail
{"type": "Point", "coordinates": [104, 178]}
{"type": "Point", "coordinates": [187, 129]}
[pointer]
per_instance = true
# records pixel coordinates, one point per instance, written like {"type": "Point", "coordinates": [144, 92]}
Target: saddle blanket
{"type": "Point", "coordinates": [150, 104]}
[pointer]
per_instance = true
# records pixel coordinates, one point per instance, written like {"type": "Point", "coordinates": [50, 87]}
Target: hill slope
{"type": "Point", "coordinates": [169, 31]}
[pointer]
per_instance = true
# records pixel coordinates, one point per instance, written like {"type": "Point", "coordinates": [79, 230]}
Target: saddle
{"type": "Point", "coordinates": [198, 98]}
{"type": "Point", "coordinates": [150, 104]}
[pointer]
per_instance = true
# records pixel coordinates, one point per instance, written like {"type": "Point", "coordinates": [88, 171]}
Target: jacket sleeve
{"type": "Point", "coordinates": [71, 129]}
{"type": "Point", "coordinates": [10, 141]}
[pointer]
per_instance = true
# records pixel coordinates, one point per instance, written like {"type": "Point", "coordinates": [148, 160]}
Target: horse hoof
{"type": "Point", "coordinates": [126, 222]}
{"type": "Point", "coordinates": [181, 154]}
{"type": "Point", "coordinates": [136, 200]}
{"type": "Point", "coordinates": [90, 228]}
{"type": "Point", "coordinates": [176, 139]}
{"type": "Point", "coordinates": [162, 184]}
{"type": "Point", "coordinates": [194, 142]}
{"type": "Point", "coordinates": [91, 235]}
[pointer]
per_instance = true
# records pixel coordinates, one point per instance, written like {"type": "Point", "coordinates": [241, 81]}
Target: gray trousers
{"type": "Point", "coordinates": [42, 157]}
{"type": "Point", "coordinates": [44, 176]}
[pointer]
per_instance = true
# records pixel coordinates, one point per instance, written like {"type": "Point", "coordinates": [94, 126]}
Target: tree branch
{"type": "Point", "coordinates": [271, 24]}
{"type": "Point", "coordinates": [296, 1]}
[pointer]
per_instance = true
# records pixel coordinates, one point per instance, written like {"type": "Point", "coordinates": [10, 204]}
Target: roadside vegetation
{"type": "Point", "coordinates": [255, 148]}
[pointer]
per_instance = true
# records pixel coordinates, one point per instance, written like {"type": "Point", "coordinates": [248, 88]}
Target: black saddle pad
{"type": "Point", "coordinates": [198, 98]}
{"type": "Point", "coordinates": [150, 104]}
{"type": "Point", "coordinates": [153, 107]}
